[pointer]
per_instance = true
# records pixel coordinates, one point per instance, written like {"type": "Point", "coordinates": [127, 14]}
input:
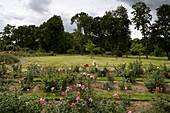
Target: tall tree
{"type": "Point", "coordinates": [109, 26]}
{"type": "Point", "coordinates": [26, 36]}
{"type": "Point", "coordinates": [6, 34]}
{"type": "Point", "coordinates": [52, 34]}
{"type": "Point", "coordinates": [97, 33]}
{"type": "Point", "coordinates": [123, 29]}
{"type": "Point", "coordinates": [84, 22]}
{"type": "Point", "coordinates": [142, 20]}
{"type": "Point", "coordinates": [163, 28]}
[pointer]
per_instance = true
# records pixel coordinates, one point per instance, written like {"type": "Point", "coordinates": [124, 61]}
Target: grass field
{"type": "Point", "coordinates": [72, 60]}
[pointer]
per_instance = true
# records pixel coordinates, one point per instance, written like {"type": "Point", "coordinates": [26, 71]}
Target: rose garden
{"type": "Point", "coordinates": [131, 87]}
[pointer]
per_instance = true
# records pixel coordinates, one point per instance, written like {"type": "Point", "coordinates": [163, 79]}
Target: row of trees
{"type": "Point", "coordinates": [108, 33]}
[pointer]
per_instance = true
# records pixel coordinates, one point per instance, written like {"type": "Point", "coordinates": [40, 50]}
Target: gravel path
{"type": "Point", "coordinates": [22, 61]}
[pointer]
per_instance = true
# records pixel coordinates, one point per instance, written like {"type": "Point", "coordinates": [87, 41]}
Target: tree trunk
{"type": "Point", "coordinates": [82, 51]}
{"type": "Point", "coordinates": [167, 54]}
{"type": "Point", "coordinates": [146, 54]}
{"type": "Point", "coordinates": [126, 55]}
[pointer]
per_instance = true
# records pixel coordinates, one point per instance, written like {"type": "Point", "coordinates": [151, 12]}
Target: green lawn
{"type": "Point", "coordinates": [72, 60]}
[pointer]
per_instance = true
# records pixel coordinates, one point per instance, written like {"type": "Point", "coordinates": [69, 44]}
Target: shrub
{"type": "Point", "coordinates": [156, 79]}
{"type": "Point", "coordinates": [18, 103]}
{"type": "Point", "coordinates": [110, 79]}
{"type": "Point", "coordinates": [71, 51]}
{"type": "Point", "coordinates": [8, 58]}
{"type": "Point", "coordinates": [137, 68]}
{"type": "Point", "coordinates": [107, 86]}
{"type": "Point", "coordinates": [165, 71]}
{"type": "Point", "coordinates": [103, 72]}
{"type": "Point", "coordinates": [160, 103]}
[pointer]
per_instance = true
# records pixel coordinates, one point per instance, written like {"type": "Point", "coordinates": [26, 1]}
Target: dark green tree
{"type": "Point", "coordinates": [123, 29]}
{"type": "Point", "coordinates": [97, 33]}
{"type": "Point", "coordinates": [26, 36]}
{"type": "Point", "coordinates": [142, 20]}
{"type": "Point", "coordinates": [163, 28]}
{"type": "Point", "coordinates": [6, 34]}
{"type": "Point", "coordinates": [83, 22]}
{"type": "Point", "coordinates": [51, 38]}
{"type": "Point", "coordinates": [109, 25]}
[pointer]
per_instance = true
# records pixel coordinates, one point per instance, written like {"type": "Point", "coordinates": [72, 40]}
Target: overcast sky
{"type": "Point", "coordinates": [28, 12]}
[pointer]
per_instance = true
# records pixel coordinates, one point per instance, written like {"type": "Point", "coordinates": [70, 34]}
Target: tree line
{"type": "Point", "coordinates": [109, 34]}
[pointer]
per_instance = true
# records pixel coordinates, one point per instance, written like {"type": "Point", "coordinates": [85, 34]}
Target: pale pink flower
{"type": "Point", "coordinates": [78, 93]}
{"type": "Point", "coordinates": [63, 93]}
{"type": "Point", "coordinates": [78, 85]}
{"type": "Point", "coordinates": [83, 73]}
{"type": "Point", "coordinates": [82, 87]}
{"type": "Point", "coordinates": [42, 100]}
{"type": "Point", "coordinates": [2, 73]}
{"type": "Point", "coordinates": [129, 112]}
{"type": "Point", "coordinates": [77, 99]}
{"type": "Point", "coordinates": [68, 89]}
{"type": "Point", "coordinates": [91, 76]}
{"type": "Point", "coordinates": [88, 75]}
{"type": "Point", "coordinates": [73, 104]}
{"type": "Point", "coordinates": [83, 104]}
{"type": "Point", "coordinates": [61, 99]}
{"type": "Point", "coordinates": [115, 95]}
{"type": "Point", "coordinates": [90, 99]}
{"type": "Point", "coordinates": [52, 88]}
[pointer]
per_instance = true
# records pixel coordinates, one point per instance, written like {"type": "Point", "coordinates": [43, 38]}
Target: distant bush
{"type": "Point", "coordinates": [71, 51]}
{"type": "Point", "coordinates": [8, 58]}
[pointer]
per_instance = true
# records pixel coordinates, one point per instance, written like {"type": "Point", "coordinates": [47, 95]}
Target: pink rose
{"type": "Point", "coordinates": [42, 100]}
{"type": "Point", "coordinates": [52, 88]}
{"type": "Point", "coordinates": [91, 76]}
{"type": "Point", "coordinates": [82, 87]}
{"type": "Point", "coordinates": [63, 93]}
{"type": "Point", "coordinates": [115, 95]}
{"type": "Point", "coordinates": [83, 104]}
{"type": "Point", "coordinates": [83, 73]}
{"type": "Point", "coordinates": [78, 85]}
{"type": "Point", "coordinates": [129, 112]}
{"type": "Point", "coordinates": [77, 99]}
{"type": "Point", "coordinates": [73, 104]}
{"type": "Point", "coordinates": [78, 93]}
{"type": "Point", "coordinates": [90, 99]}
{"type": "Point", "coordinates": [61, 99]}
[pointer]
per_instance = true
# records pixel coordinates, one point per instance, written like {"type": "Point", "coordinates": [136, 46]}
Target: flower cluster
{"type": "Point", "coordinates": [42, 100]}
{"type": "Point", "coordinates": [115, 95]}
{"type": "Point", "coordinates": [87, 65]}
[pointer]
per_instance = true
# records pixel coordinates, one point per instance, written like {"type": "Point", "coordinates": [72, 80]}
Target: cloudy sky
{"type": "Point", "coordinates": [28, 12]}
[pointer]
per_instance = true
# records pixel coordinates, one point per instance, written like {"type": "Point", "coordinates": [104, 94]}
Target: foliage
{"type": "Point", "coordinates": [156, 79]}
{"type": "Point", "coordinates": [142, 20]}
{"type": "Point", "coordinates": [162, 26]}
{"type": "Point", "coordinates": [160, 102]}
{"type": "Point", "coordinates": [8, 58]}
{"type": "Point", "coordinates": [137, 48]}
{"type": "Point", "coordinates": [103, 72]}
{"type": "Point", "coordinates": [137, 67]}
{"type": "Point", "coordinates": [17, 103]}
{"type": "Point", "coordinates": [52, 34]}
{"type": "Point", "coordinates": [110, 78]}
{"type": "Point", "coordinates": [59, 79]}
{"type": "Point", "coordinates": [90, 47]}
{"type": "Point", "coordinates": [125, 86]}
{"type": "Point", "coordinates": [107, 86]}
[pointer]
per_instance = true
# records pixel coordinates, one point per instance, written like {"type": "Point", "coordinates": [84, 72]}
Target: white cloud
{"type": "Point", "coordinates": [27, 12]}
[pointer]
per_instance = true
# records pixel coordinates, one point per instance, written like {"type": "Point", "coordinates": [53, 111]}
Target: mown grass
{"type": "Point", "coordinates": [72, 60]}
{"type": "Point", "coordinates": [102, 79]}
{"type": "Point", "coordinates": [135, 96]}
